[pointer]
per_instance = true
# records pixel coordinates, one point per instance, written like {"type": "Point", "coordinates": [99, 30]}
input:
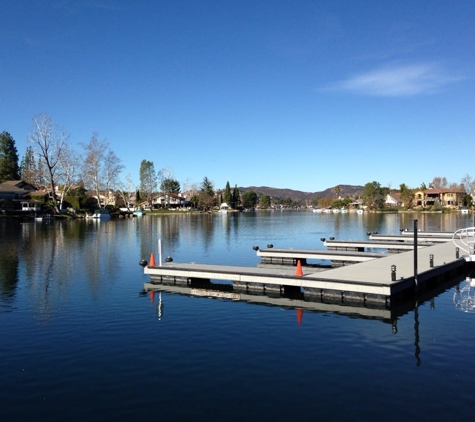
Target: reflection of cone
{"type": "Point", "coordinates": [152, 296]}
{"type": "Point", "coordinates": [299, 272]}
{"type": "Point", "coordinates": [152, 260]}
{"type": "Point", "coordinates": [299, 312]}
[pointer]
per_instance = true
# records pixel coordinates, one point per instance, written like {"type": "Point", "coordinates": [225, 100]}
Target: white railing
{"type": "Point", "coordinates": [464, 240]}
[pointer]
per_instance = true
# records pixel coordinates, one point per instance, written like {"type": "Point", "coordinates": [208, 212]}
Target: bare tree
{"type": "Point", "coordinates": [101, 169]}
{"type": "Point", "coordinates": [68, 171]}
{"type": "Point", "coordinates": [112, 169]}
{"type": "Point", "coordinates": [439, 182]}
{"type": "Point", "coordinates": [127, 191]}
{"type": "Point", "coordinates": [468, 184]}
{"type": "Point", "coordinates": [49, 141]}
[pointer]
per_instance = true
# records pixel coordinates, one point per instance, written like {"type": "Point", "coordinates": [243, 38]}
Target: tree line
{"type": "Point", "coordinates": [51, 164]}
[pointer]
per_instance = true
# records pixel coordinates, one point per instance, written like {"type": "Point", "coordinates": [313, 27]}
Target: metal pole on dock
{"type": "Point", "coordinates": [160, 252]}
{"type": "Point", "coordinates": [415, 254]}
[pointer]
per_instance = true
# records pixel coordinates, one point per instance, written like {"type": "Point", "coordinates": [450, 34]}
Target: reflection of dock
{"type": "Point", "coordinates": [377, 280]}
{"type": "Point", "coordinates": [387, 313]}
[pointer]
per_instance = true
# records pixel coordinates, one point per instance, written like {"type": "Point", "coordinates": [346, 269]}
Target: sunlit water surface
{"type": "Point", "coordinates": [78, 343]}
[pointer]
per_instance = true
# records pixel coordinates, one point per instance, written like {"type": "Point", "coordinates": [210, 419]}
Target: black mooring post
{"type": "Point", "coordinates": [415, 254]}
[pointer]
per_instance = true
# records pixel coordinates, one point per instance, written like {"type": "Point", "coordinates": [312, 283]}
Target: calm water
{"type": "Point", "coordinates": [78, 342]}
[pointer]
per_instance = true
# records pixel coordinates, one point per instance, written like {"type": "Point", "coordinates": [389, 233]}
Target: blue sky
{"type": "Point", "coordinates": [295, 94]}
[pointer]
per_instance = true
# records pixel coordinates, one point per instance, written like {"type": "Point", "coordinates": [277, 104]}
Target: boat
{"type": "Point", "coordinates": [46, 217]}
{"type": "Point", "coordinates": [317, 210]}
{"type": "Point", "coordinates": [139, 213]}
{"type": "Point", "coordinates": [360, 211]}
{"type": "Point", "coordinates": [101, 214]}
{"type": "Point", "coordinates": [464, 210]}
{"type": "Point", "coordinates": [223, 209]}
{"type": "Point", "coordinates": [344, 210]}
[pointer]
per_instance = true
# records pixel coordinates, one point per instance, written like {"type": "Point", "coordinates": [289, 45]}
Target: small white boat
{"type": "Point", "coordinates": [327, 210]}
{"type": "Point", "coordinates": [336, 210]}
{"type": "Point", "coordinates": [344, 210]}
{"type": "Point", "coordinates": [317, 210]}
{"type": "Point", "coordinates": [223, 209]}
{"type": "Point", "coordinates": [359, 211]}
{"type": "Point", "coordinates": [139, 213]}
{"type": "Point", "coordinates": [464, 210]}
{"type": "Point", "coordinates": [46, 217]}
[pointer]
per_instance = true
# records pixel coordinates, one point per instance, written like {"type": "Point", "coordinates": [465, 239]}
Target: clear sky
{"type": "Point", "coordinates": [292, 94]}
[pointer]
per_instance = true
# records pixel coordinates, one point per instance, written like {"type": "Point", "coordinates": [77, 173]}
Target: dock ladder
{"type": "Point", "coordinates": [464, 239]}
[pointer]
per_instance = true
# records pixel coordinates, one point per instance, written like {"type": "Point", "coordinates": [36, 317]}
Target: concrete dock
{"type": "Point", "coordinates": [291, 256]}
{"type": "Point", "coordinates": [378, 280]}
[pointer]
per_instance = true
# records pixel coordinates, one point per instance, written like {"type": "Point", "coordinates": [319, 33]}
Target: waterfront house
{"type": "Point", "coordinates": [393, 199]}
{"type": "Point", "coordinates": [446, 197]}
{"type": "Point", "coordinates": [170, 200]}
{"type": "Point", "coordinates": [18, 193]}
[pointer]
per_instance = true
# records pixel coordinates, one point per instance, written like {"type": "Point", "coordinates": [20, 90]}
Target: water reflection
{"type": "Point", "coordinates": [56, 258]}
{"type": "Point", "coordinates": [386, 313]}
{"type": "Point", "coordinates": [464, 296]}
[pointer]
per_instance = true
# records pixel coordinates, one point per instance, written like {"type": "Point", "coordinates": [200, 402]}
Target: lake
{"type": "Point", "coordinates": [78, 342]}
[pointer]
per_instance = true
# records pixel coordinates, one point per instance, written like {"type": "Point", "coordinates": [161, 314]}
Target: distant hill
{"type": "Point", "coordinates": [296, 195]}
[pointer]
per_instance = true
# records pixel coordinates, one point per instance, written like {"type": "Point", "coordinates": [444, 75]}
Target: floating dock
{"type": "Point", "coordinates": [367, 245]}
{"type": "Point", "coordinates": [291, 256]}
{"type": "Point", "coordinates": [379, 280]}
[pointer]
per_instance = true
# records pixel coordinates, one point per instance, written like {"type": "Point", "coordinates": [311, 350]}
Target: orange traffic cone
{"type": "Point", "coordinates": [152, 260]}
{"type": "Point", "coordinates": [299, 272]}
{"type": "Point", "coordinates": [299, 312]}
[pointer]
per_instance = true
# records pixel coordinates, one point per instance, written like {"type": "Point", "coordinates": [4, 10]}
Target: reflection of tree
{"type": "Point", "coordinates": [8, 266]}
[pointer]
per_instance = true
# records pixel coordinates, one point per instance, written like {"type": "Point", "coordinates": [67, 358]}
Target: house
{"type": "Point", "coordinates": [446, 197]}
{"type": "Point", "coordinates": [105, 198]}
{"type": "Point", "coordinates": [170, 200]}
{"type": "Point", "coordinates": [18, 193]}
{"type": "Point", "coordinates": [393, 199]}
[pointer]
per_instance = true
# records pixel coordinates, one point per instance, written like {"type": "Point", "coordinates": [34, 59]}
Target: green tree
{"type": "Point", "coordinates": [406, 194]}
{"type": "Point", "coordinates": [9, 169]}
{"type": "Point", "coordinates": [207, 186]}
{"type": "Point", "coordinates": [148, 181]}
{"type": "Point", "coordinates": [373, 195]}
{"type": "Point", "coordinates": [264, 201]}
{"type": "Point", "coordinates": [227, 197]}
{"type": "Point", "coordinates": [336, 191]}
{"type": "Point", "coordinates": [206, 199]}
{"type": "Point", "coordinates": [235, 198]}
{"type": "Point", "coordinates": [170, 186]}
{"type": "Point", "coordinates": [28, 166]}
{"type": "Point", "coordinates": [249, 199]}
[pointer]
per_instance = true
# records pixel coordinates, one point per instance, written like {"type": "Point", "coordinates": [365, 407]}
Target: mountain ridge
{"type": "Point", "coordinates": [296, 195]}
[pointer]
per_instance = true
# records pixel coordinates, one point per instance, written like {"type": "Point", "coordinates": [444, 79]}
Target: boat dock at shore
{"type": "Point", "coordinates": [380, 280]}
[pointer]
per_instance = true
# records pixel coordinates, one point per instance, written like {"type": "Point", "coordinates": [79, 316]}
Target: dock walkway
{"type": "Point", "coordinates": [290, 256]}
{"type": "Point", "coordinates": [368, 281]}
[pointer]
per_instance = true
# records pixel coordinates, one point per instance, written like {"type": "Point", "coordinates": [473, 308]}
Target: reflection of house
{"type": "Point", "coordinates": [19, 191]}
{"type": "Point", "coordinates": [445, 197]}
{"type": "Point", "coordinates": [393, 199]}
